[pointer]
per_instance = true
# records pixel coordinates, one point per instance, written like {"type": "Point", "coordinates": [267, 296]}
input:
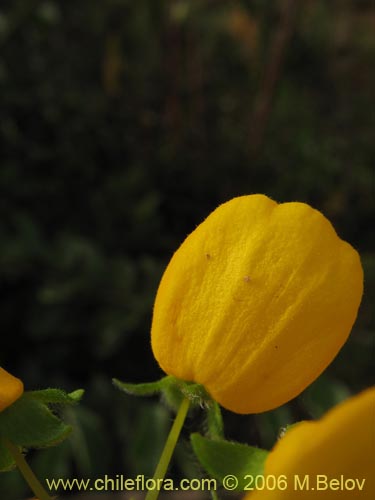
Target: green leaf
{"type": "Point", "coordinates": [31, 424]}
{"type": "Point", "coordinates": [6, 460]}
{"type": "Point", "coordinates": [56, 396]}
{"type": "Point", "coordinates": [221, 458]}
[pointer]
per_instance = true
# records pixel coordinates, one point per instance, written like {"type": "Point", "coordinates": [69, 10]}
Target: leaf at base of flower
{"type": "Point", "coordinates": [221, 458]}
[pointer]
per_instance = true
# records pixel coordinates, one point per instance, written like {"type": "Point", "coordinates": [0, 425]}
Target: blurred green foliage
{"type": "Point", "coordinates": [122, 125]}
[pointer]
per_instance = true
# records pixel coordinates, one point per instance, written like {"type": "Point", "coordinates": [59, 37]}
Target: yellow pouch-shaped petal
{"type": "Point", "coordinates": [11, 388]}
{"type": "Point", "coordinates": [256, 302]}
{"type": "Point", "coordinates": [327, 459]}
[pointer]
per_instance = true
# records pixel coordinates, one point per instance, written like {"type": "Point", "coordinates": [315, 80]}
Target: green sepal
{"type": "Point", "coordinates": [30, 423]}
{"type": "Point", "coordinates": [221, 458]}
{"type": "Point", "coordinates": [215, 423]}
{"type": "Point", "coordinates": [172, 393]}
{"type": "Point", "coordinates": [76, 396]}
{"type": "Point", "coordinates": [176, 390]}
{"type": "Point", "coordinates": [144, 389]}
{"type": "Point", "coordinates": [57, 396]}
{"type": "Point", "coordinates": [172, 389]}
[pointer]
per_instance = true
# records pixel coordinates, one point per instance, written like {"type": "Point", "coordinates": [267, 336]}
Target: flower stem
{"type": "Point", "coordinates": [169, 447]}
{"type": "Point", "coordinates": [26, 471]}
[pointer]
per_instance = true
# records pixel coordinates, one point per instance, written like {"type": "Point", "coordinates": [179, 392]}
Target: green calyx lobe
{"type": "Point", "coordinates": [174, 390]}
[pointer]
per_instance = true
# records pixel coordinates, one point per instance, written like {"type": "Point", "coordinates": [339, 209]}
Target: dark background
{"type": "Point", "coordinates": [122, 125]}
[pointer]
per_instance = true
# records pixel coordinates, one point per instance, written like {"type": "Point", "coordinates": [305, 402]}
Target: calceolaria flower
{"type": "Point", "coordinates": [256, 302]}
{"type": "Point", "coordinates": [327, 459]}
{"type": "Point", "coordinates": [11, 388]}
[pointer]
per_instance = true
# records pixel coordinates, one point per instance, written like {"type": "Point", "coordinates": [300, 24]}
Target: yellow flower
{"type": "Point", "coordinates": [11, 388]}
{"type": "Point", "coordinates": [333, 457]}
{"type": "Point", "coordinates": [256, 302]}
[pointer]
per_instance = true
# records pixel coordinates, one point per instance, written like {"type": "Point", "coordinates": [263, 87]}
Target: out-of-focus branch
{"type": "Point", "coordinates": [271, 76]}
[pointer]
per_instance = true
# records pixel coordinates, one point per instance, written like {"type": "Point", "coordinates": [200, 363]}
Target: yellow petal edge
{"type": "Point", "coordinates": [256, 302]}
{"type": "Point", "coordinates": [336, 454]}
{"type": "Point", "coordinates": [11, 388]}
